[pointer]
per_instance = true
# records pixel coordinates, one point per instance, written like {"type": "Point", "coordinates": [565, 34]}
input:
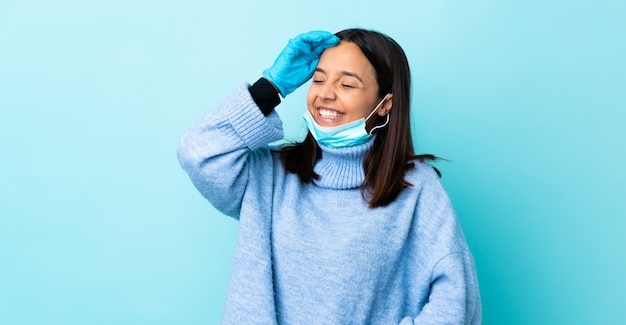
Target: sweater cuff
{"type": "Point", "coordinates": [255, 129]}
{"type": "Point", "coordinates": [264, 95]}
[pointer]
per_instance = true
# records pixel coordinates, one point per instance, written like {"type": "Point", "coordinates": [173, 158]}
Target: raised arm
{"type": "Point", "coordinates": [227, 147]}
{"type": "Point", "coordinates": [218, 151]}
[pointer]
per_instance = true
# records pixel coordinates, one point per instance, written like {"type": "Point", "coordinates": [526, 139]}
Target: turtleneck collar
{"type": "Point", "coordinates": [342, 168]}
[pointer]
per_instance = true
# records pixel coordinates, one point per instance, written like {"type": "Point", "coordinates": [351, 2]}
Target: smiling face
{"type": "Point", "coordinates": [344, 87]}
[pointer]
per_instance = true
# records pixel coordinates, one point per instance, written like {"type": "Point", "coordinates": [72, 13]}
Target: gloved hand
{"type": "Point", "coordinates": [297, 62]}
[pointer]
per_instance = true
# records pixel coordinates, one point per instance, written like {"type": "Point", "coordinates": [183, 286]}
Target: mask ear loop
{"type": "Point", "coordinates": [376, 108]}
{"type": "Point", "coordinates": [372, 113]}
{"type": "Point", "coordinates": [380, 126]}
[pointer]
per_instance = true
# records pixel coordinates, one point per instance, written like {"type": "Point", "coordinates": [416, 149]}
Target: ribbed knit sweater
{"type": "Point", "coordinates": [315, 253]}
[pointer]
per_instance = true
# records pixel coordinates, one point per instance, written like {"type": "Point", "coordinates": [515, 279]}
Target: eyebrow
{"type": "Point", "coordinates": [345, 73]}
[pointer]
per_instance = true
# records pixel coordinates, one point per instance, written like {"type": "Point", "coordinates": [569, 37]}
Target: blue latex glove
{"type": "Point", "coordinates": [296, 63]}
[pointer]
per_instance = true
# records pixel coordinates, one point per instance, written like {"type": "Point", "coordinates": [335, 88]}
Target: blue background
{"type": "Point", "coordinates": [99, 225]}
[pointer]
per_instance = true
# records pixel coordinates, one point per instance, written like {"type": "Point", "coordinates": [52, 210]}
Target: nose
{"type": "Point", "coordinates": [327, 91]}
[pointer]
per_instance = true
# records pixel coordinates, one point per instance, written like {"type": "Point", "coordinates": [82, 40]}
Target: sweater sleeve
{"type": "Point", "coordinates": [219, 151]}
{"type": "Point", "coordinates": [453, 292]}
{"type": "Point", "coordinates": [454, 297]}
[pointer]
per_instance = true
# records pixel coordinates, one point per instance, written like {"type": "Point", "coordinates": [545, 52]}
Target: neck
{"type": "Point", "coordinates": [342, 168]}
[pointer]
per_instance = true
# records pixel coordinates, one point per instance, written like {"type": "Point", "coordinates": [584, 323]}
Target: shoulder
{"type": "Point", "coordinates": [432, 200]}
{"type": "Point", "coordinates": [433, 208]}
{"type": "Point", "coordinates": [435, 222]}
{"type": "Point", "coordinates": [424, 177]}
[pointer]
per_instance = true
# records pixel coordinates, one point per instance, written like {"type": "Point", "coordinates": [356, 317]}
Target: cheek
{"type": "Point", "coordinates": [310, 98]}
{"type": "Point", "coordinates": [362, 108]}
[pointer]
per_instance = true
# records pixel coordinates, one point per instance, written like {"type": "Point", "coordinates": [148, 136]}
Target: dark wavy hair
{"type": "Point", "coordinates": [392, 153]}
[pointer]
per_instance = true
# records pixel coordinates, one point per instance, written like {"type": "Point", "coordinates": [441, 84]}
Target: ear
{"type": "Point", "coordinates": [385, 108]}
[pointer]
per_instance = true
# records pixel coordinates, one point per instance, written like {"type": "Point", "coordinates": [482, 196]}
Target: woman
{"type": "Point", "coordinates": [349, 226]}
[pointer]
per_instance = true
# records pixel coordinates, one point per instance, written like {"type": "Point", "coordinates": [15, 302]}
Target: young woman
{"type": "Point", "coordinates": [348, 226]}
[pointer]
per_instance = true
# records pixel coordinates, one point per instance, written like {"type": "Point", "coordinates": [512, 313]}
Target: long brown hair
{"type": "Point", "coordinates": [392, 153]}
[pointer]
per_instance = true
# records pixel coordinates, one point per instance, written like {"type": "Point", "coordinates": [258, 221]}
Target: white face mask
{"type": "Point", "coordinates": [345, 135]}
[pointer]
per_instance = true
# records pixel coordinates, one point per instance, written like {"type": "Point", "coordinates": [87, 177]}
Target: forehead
{"type": "Point", "coordinates": [346, 56]}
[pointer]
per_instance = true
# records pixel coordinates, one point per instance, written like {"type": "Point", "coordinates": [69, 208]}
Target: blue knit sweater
{"type": "Point", "coordinates": [314, 253]}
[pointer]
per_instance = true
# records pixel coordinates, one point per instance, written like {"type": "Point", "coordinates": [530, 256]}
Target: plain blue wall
{"type": "Point", "coordinates": [99, 225]}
